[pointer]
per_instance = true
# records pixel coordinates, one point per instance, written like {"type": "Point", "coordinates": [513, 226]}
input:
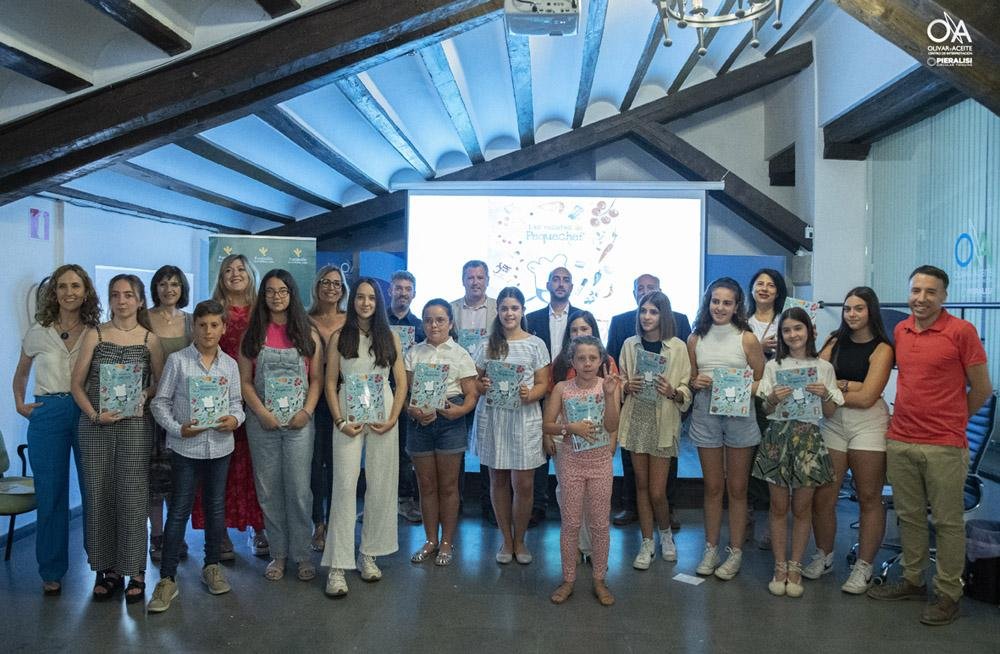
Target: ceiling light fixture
{"type": "Point", "coordinates": [694, 13]}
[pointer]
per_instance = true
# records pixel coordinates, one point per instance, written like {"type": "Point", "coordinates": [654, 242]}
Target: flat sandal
{"type": "Point", "coordinates": [424, 552]}
{"type": "Point", "coordinates": [444, 558]}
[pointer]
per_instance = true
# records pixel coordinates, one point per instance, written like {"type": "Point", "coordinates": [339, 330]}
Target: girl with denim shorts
{"type": "Point", "coordinates": [721, 338]}
{"type": "Point", "coordinates": [436, 436]}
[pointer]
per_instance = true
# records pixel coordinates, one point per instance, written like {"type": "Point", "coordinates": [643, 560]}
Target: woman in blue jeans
{"type": "Point", "coordinates": [67, 307]}
{"type": "Point", "coordinates": [281, 374]}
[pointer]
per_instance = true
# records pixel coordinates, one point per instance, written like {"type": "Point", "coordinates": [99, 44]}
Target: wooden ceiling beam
{"type": "Point", "coordinates": [519, 54]}
{"type": "Point", "coordinates": [222, 84]}
{"type": "Point", "coordinates": [299, 134]}
{"type": "Point", "coordinates": [741, 46]}
{"type": "Point", "coordinates": [358, 95]}
{"type": "Point", "coordinates": [137, 20]}
{"type": "Point", "coordinates": [346, 218]}
{"type": "Point", "coordinates": [168, 183]}
{"type": "Point", "coordinates": [276, 8]}
{"type": "Point", "coordinates": [597, 11]}
{"type": "Point", "coordinates": [66, 192]}
{"type": "Point", "coordinates": [584, 139]}
{"type": "Point", "coordinates": [905, 25]}
{"type": "Point", "coordinates": [907, 101]}
{"type": "Point", "coordinates": [790, 31]}
{"type": "Point", "coordinates": [642, 66]}
{"type": "Point", "coordinates": [220, 156]}
{"type": "Point", "coordinates": [437, 66]}
{"type": "Point", "coordinates": [693, 58]}
{"type": "Point", "coordinates": [754, 206]}
{"type": "Point", "coordinates": [40, 70]}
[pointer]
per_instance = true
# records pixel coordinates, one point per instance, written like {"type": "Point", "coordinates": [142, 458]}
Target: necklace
{"type": "Point", "coordinates": [63, 332]}
{"type": "Point", "coordinates": [131, 329]}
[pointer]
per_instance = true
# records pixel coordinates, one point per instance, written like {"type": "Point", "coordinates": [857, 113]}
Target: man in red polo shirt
{"type": "Point", "coordinates": [943, 381]}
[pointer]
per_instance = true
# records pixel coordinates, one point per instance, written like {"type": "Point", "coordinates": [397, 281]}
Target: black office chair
{"type": "Point", "coordinates": [979, 433]}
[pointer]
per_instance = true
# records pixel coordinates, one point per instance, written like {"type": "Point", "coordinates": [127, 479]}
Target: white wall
{"type": "Point", "coordinates": [86, 236]}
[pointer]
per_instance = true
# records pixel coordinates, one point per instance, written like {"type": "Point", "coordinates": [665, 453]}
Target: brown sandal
{"type": "Point", "coordinates": [561, 594]}
{"type": "Point", "coordinates": [603, 594]}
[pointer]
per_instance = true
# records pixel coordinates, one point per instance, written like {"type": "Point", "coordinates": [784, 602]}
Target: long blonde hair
{"type": "Point", "coordinates": [249, 295]}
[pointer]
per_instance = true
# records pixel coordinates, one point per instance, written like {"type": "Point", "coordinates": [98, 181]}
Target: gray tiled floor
{"type": "Point", "coordinates": [476, 605]}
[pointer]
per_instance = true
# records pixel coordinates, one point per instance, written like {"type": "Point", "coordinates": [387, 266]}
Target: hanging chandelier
{"type": "Point", "coordinates": [694, 13]}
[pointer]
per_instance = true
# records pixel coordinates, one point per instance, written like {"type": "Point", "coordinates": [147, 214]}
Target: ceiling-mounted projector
{"type": "Point", "coordinates": [542, 17]}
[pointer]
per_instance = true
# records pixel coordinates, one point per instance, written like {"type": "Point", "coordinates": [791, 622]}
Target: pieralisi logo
{"type": "Point", "coordinates": [951, 43]}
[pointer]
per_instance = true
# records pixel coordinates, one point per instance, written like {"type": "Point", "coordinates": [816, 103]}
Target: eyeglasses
{"type": "Point", "coordinates": [436, 321]}
{"type": "Point", "coordinates": [276, 292]}
{"type": "Point", "coordinates": [331, 283]}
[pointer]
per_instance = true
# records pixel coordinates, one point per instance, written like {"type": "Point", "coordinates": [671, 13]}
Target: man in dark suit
{"type": "Point", "coordinates": [623, 326]}
{"type": "Point", "coordinates": [550, 325]}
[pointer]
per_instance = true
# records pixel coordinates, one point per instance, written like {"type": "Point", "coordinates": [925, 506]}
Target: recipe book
{"type": "Point", "coordinates": [731, 392]}
{"type": "Point", "coordinates": [591, 409]}
{"type": "Point", "coordinates": [209, 400]}
{"type": "Point", "coordinates": [505, 384]}
{"type": "Point", "coordinates": [121, 389]}
{"type": "Point", "coordinates": [649, 366]}
{"type": "Point", "coordinates": [284, 396]}
{"type": "Point", "coordinates": [365, 398]}
{"type": "Point", "coordinates": [801, 404]}
{"type": "Point", "coordinates": [430, 381]}
{"type": "Point", "coordinates": [407, 336]}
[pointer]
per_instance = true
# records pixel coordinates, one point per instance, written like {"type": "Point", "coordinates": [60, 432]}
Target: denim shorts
{"type": "Point", "coordinates": [708, 430]}
{"type": "Point", "coordinates": [442, 436]}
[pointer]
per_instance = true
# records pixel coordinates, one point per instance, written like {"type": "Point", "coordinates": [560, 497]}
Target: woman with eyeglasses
{"type": "Point", "coordinates": [328, 313]}
{"type": "Point", "coordinates": [281, 374]}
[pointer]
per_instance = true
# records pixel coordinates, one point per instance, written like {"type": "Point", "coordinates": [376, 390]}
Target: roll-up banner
{"type": "Point", "coordinates": [294, 254]}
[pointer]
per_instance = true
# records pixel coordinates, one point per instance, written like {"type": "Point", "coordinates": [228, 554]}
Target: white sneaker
{"type": "Point", "coordinates": [728, 570]}
{"type": "Point", "coordinates": [709, 560]}
{"type": "Point", "coordinates": [668, 550]}
{"type": "Point", "coordinates": [860, 579]}
{"type": "Point", "coordinates": [369, 571]}
{"type": "Point", "coordinates": [336, 584]}
{"type": "Point", "coordinates": [820, 564]}
{"type": "Point", "coordinates": [645, 556]}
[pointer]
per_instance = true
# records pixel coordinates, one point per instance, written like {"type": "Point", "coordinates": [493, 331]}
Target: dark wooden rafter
{"type": "Point", "coordinates": [693, 58]}
{"type": "Point", "coordinates": [138, 20]}
{"type": "Point", "coordinates": [368, 106]}
{"type": "Point", "coordinates": [222, 84]}
{"type": "Point", "coordinates": [205, 148]}
{"type": "Point", "coordinates": [781, 167]}
{"type": "Point", "coordinates": [917, 95]}
{"type": "Point", "coordinates": [792, 30]}
{"type": "Point", "coordinates": [346, 218]}
{"type": "Point", "coordinates": [520, 76]}
{"type": "Point", "coordinates": [114, 203]}
{"type": "Point", "coordinates": [168, 183]}
{"type": "Point", "coordinates": [293, 130]}
{"type": "Point", "coordinates": [757, 208]}
{"type": "Point", "coordinates": [741, 46]}
{"type": "Point", "coordinates": [597, 11]}
{"type": "Point", "coordinates": [584, 139]}
{"type": "Point", "coordinates": [905, 25]}
{"type": "Point", "coordinates": [276, 8]}
{"type": "Point", "coordinates": [40, 70]}
{"type": "Point", "coordinates": [437, 66]}
{"type": "Point", "coordinates": [653, 42]}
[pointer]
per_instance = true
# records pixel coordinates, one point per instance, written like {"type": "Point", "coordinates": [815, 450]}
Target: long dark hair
{"type": "Point", "coordinates": [47, 308]}
{"type": "Point", "coordinates": [867, 295]}
{"type": "Point", "coordinates": [446, 305]}
{"type": "Point", "coordinates": [382, 347]}
{"type": "Point", "coordinates": [165, 273]}
{"type": "Point", "coordinates": [497, 346]}
{"type": "Point", "coordinates": [798, 314]}
{"type": "Point", "coordinates": [142, 315]}
{"type": "Point", "coordinates": [562, 364]}
{"type": "Point", "coordinates": [668, 326]}
{"type": "Point", "coordinates": [703, 321]}
{"type": "Point", "coordinates": [298, 327]}
{"type": "Point", "coordinates": [779, 284]}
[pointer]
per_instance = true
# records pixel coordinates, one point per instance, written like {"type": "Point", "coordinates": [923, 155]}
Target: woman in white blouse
{"type": "Point", "coordinates": [67, 307]}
